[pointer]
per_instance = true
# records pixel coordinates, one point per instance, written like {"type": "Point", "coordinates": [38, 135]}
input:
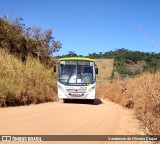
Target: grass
{"type": "Point", "coordinates": [25, 83]}
{"type": "Point", "coordinates": [141, 94]}
{"type": "Point", "coordinates": [105, 67]}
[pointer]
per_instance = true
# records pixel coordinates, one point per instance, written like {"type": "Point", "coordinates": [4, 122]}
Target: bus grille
{"type": "Point", "coordinates": [76, 90]}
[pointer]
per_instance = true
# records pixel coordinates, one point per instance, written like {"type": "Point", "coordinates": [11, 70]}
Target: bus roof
{"type": "Point", "coordinates": [76, 58]}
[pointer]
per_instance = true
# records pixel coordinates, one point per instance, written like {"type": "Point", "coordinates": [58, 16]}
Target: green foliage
{"type": "Point", "coordinates": [70, 54]}
{"type": "Point", "coordinates": [112, 75]}
{"type": "Point", "coordinates": [125, 59]}
{"type": "Point", "coordinates": [153, 65]}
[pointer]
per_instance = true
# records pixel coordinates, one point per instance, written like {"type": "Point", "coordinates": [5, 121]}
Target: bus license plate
{"type": "Point", "coordinates": [75, 94]}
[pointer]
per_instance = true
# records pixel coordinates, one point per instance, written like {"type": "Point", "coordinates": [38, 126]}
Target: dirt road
{"type": "Point", "coordinates": [101, 118]}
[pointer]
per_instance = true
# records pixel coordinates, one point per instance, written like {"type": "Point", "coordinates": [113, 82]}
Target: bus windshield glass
{"type": "Point", "coordinates": [76, 72]}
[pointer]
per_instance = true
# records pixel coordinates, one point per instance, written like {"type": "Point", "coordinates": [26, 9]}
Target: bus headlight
{"type": "Point", "coordinates": [61, 88]}
{"type": "Point", "coordinates": [91, 89]}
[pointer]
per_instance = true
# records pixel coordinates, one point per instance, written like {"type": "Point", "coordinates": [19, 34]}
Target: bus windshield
{"type": "Point", "coordinates": [76, 72]}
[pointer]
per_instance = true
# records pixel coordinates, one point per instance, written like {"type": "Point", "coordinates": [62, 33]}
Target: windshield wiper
{"type": "Point", "coordinates": [69, 76]}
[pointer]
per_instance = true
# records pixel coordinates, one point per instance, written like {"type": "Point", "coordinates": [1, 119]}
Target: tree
{"type": "Point", "coordinates": [72, 54]}
{"type": "Point", "coordinates": [22, 41]}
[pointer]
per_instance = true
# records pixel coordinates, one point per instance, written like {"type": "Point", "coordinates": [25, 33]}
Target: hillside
{"type": "Point", "coordinates": [25, 83]}
{"type": "Point", "coordinates": [141, 94]}
{"type": "Point", "coordinates": [105, 67]}
{"type": "Point", "coordinates": [130, 63]}
{"type": "Point", "coordinates": [26, 73]}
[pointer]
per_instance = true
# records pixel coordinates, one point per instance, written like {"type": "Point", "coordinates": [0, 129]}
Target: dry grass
{"type": "Point", "coordinates": [22, 84]}
{"type": "Point", "coordinates": [140, 94]}
{"type": "Point", "coordinates": [105, 67]}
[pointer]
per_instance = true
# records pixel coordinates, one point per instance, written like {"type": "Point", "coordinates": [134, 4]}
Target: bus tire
{"type": "Point", "coordinates": [65, 100]}
{"type": "Point", "coordinates": [91, 101]}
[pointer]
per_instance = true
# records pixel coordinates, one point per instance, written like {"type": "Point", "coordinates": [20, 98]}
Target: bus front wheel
{"type": "Point", "coordinates": [65, 100]}
{"type": "Point", "coordinates": [91, 101]}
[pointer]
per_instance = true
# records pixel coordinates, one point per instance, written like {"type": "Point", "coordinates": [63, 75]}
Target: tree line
{"type": "Point", "coordinates": [127, 62]}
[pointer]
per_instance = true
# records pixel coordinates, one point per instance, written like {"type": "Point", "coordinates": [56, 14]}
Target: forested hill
{"type": "Point", "coordinates": [127, 62]}
{"type": "Point", "coordinates": [131, 63]}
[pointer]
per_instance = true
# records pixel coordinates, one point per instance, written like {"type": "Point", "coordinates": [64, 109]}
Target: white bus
{"type": "Point", "coordinates": [77, 79]}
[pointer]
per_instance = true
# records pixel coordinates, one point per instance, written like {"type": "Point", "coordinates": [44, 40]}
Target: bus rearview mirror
{"type": "Point", "coordinates": [54, 68]}
{"type": "Point", "coordinates": [96, 70]}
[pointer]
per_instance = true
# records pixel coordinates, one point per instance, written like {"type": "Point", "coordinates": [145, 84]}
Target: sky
{"type": "Point", "coordinates": [88, 26]}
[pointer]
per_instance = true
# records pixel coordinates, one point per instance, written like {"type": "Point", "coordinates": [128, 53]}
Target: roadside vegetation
{"type": "Point", "coordinates": [141, 94]}
{"type": "Point", "coordinates": [26, 73]}
{"type": "Point", "coordinates": [24, 84]}
{"type": "Point", "coordinates": [22, 41]}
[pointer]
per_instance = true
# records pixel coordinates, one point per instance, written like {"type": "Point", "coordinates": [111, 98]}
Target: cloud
{"type": "Point", "coordinates": [152, 41]}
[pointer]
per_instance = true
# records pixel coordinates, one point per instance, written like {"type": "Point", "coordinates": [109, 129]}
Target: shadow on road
{"type": "Point", "coordinates": [97, 101]}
